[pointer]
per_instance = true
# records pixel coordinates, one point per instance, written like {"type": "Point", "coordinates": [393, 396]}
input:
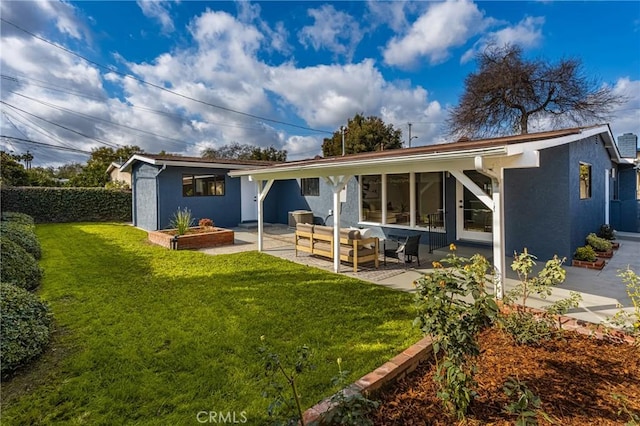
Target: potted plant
{"type": "Point", "coordinates": [601, 246]}
{"type": "Point", "coordinates": [585, 257]}
{"type": "Point", "coordinates": [609, 234]}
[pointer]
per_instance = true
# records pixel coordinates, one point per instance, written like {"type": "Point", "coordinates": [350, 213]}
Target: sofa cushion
{"type": "Point", "coordinates": [350, 234]}
{"type": "Point", "coordinates": [323, 230]}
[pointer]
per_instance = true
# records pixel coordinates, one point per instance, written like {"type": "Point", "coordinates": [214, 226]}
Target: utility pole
{"type": "Point", "coordinates": [343, 130]}
{"type": "Point", "coordinates": [410, 137]}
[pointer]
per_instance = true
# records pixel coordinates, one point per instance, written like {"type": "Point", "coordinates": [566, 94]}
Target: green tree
{"type": "Point", "coordinates": [94, 173]}
{"type": "Point", "coordinates": [238, 151]}
{"type": "Point", "coordinates": [40, 176]}
{"type": "Point", "coordinates": [68, 171]}
{"type": "Point", "coordinates": [12, 172]}
{"type": "Point", "coordinates": [508, 91]}
{"type": "Point", "coordinates": [363, 134]}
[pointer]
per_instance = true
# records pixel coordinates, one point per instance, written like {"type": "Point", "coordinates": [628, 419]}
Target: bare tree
{"type": "Point", "coordinates": [507, 92]}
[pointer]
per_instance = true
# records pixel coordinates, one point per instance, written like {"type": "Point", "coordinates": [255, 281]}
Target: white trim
{"type": "Point", "coordinates": [178, 163]}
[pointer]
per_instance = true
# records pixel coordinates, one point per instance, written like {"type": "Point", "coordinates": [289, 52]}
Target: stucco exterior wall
{"type": "Point", "coordinates": [537, 212]}
{"type": "Point", "coordinates": [589, 214]}
{"type": "Point", "coordinates": [625, 212]}
{"type": "Point", "coordinates": [144, 191]}
{"type": "Point", "coordinates": [223, 210]}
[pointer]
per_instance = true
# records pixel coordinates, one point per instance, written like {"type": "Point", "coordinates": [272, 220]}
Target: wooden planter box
{"type": "Point", "coordinates": [598, 264]}
{"type": "Point", "coordinates": [615, 246]}
{"type": "Point", "coordinates": [195, 238]}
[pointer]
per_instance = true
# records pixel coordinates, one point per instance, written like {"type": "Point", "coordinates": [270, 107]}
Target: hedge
{"type": "Point", "coordinates": [18, 267]}
{"type": "Point", "coordinates": [55, 205]}
{"type": "Point", "coordinates": [23, 235]}
{"type": "Point", "coordinates": [21, 218]}
{"type": "Point", "coordinates": [26, 327]}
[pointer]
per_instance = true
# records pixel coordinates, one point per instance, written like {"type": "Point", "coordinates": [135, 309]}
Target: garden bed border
{"type": "Point", "coordinates": [409, 359]}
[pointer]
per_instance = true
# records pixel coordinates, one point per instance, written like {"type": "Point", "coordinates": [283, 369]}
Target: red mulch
{"type": "Point", "coordinates": [574, 376]}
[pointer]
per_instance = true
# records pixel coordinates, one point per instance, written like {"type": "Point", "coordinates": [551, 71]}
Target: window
{"type": "Point", "coordinates": [202, 185]}
{"type": "Point", "coordinates": [310, 186]}
{"type": "Point", "coordinates": [430, 199]}
{"type": "Point", "coordinates": [585, 181]}
{"type": "Point", "coordinates": [398, 198]}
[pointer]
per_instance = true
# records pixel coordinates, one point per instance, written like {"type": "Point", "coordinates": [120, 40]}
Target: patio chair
{"type": "Point", "coordinates": [406, 250]}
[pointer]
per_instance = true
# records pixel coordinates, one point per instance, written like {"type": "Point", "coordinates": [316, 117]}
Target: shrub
{"type": "Point", "coordinates": [607, 232]}
{"type": "Point", "coordinates": [18, 267]}
{"type": "Point", "coordinates": [55, 205]}
{"type": "Point", "coordinates": [598, 244]}
{"type": "Point", "coordinates": [586, 254]}
{"type": "Point", "coordinates": [21, 218]}
{"type": "Point", "coordinates": [182, 220]}
{"type": "Point", "coordinates": [527, 329]}
{"type": "Point", "coordinates": [26, 327]}
{"type": "Point", "coordinates": [22, 235]}
{"type": "Point", "coordinates": [205, 222]}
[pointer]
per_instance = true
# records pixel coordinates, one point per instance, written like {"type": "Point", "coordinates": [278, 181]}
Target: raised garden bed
{"type": "Point", "coordinates": [605, 254]}
{"type": "Point", "coordinates": [586, 377]}
{"type": "Point", "coordinates": [196, 238]}
{"type": "Point", "coordinates": [598, 264]}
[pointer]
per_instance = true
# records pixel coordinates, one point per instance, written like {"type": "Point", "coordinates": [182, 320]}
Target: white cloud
{"type": "Point", "coordinates": [526, 34]}
{"type": "Point", "coordinates": [442, 27]}
{"type": "Point", "coordinates": [626, 117]}
{"type": "Point", "coordinates": [35, 16]}
{"type": "Point", "coordinates": [159, 11]}
{"type": "Point", "coordinates": [333, 30]}
{"type": "Point", "coordinates": [393, 13]}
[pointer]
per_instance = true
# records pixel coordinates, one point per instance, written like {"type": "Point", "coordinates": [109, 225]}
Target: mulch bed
{"type": "Point", "coordinates": [575, 377]}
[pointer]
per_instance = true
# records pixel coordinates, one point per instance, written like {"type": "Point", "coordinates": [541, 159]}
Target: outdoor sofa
{"type": "Point", "coordinates": [354, 247]}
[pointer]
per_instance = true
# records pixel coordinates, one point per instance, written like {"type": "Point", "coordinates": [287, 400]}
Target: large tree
{"type": "Point", "coordinates": [95, 172]}
{"type": "Point", "coordinates": [508, 92]}
{"type": "Point", "coordinates": [363, 134]}
{"type": "Point", "coordinates": [12, 172]}
{"type": "Point", "coordinates": [237, 151]}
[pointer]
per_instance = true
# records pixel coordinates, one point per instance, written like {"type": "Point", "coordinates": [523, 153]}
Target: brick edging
{"type": "Point", "coordinates": [409, 359]}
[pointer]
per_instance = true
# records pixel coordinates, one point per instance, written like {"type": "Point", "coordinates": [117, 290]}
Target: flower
{"type": "Point", "coordinates": [436, 264]}
{"type": "Point", "coordinates": [452, 247]}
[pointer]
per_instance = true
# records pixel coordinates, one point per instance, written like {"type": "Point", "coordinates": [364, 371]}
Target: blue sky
{"type": "Point", "coordinates": [309, 64]}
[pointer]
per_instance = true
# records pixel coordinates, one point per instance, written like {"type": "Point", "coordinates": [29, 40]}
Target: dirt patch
{"type": "Point", "coordinates": [576, 377]}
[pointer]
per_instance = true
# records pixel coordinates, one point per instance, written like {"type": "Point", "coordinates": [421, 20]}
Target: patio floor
{"type": "Point", "coordinates": [602, 291]}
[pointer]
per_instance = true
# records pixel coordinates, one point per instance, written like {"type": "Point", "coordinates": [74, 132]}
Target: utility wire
{"type": "Point", "coordinates": [111, 69]}
{"type": "Point", "coordinates": [61, 148]}
{"type": "Point", "coordinates": [105, 99]}
{"type": "Point", "coordinates": [36, 127]}
{"type": "Point", "coordinates": [102, 141]}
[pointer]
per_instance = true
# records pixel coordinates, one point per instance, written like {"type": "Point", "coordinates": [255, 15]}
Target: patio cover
{"type": "Point", "coordinates": [488, 156]}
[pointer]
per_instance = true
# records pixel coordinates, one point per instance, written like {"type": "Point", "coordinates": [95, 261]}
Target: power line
{"type": "Point", "coordinates": [102, 141]}
{"type": "Point", "coordinates": [36, 127]}
{"type": "Point", "coordinates": [113, 70]}
{"type": "Point", "coordinates": [106, 99]}
{"type": "Point", "coordinates": [61, 148]}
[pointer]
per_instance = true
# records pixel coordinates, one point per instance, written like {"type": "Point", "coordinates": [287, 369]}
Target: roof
{"type": "Point", "coordinates": [372, 162]}
{"type": "Point", "coordinates": [182, 161]}
{"type": "Point", "coordinates": [113, 166]}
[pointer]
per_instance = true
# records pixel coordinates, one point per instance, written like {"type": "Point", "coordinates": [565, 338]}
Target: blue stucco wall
{"type": "Point", "coordinates": [537, 214]}
{"type": "Point", "coordinates": [587, 215]}
{"type": "Point", "coordinates": [144, 191]}
{"type": "Point", "coordinates": [223, 210]}
{"type": "Point", "coordinates": [543, 209]}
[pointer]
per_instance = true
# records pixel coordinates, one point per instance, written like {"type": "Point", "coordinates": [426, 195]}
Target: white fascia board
{"type": "Point", "coordinates": [520, 148]}
{"type": "Point", "coordinates": [177, 163]}
{"type": "Point", "coordinates": [421, 162]}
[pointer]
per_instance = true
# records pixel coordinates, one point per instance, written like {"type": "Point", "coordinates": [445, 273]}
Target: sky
{"type": "Point", "coordinates": [183, 76]}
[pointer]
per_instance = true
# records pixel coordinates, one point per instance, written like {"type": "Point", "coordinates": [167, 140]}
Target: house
{"type": "Point", "coordinates": [545, 191]}
{"type": "Point", "coordinates": [116, 174]}
{"type": "Point", "coordinates": [625, 206]}
{"type": "Point", "coordinates": [163, 183]}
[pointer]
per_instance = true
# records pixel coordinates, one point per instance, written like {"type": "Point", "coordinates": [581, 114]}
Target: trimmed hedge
{"type": "Point", "coordinates": [18, 267]}
{"type": "Point", "coordinates": [23, 235]}
{"type": "Point", "coordinates": [26, 327]}
{"type": "Point", "coordinates": [56, 205]}
{"type": "Point", "coordinates": [21, 218]}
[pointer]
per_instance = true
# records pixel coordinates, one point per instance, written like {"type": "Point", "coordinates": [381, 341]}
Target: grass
{"type": "Point", "coordinates": [145, 335]}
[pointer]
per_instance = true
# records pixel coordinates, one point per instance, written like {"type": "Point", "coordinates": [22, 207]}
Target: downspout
{"type": "Point", "coordinates": [164, 166]}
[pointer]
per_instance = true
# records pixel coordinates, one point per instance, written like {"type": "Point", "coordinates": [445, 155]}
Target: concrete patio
{"type": "Point", "coordinates": [602, 291]}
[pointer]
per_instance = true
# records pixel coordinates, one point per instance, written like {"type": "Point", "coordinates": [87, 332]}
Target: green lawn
{"type": "Point", "coordinates": [151, 336]}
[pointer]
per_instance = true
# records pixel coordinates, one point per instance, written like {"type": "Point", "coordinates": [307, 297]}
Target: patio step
{"type": "Point", "coordinates": [629, 236]}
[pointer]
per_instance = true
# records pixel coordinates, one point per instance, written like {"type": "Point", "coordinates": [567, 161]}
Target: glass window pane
{"type": "Point", "coordinates": [398, 198]}
{"type": "Point", "coordinates": [371, 187]}
{"type": "Point", "coordinates": [187, 185]}
{"type": "Point", "coordinates": [585, 181]}
{"type": "Point", "coordinates": [430, 199]}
